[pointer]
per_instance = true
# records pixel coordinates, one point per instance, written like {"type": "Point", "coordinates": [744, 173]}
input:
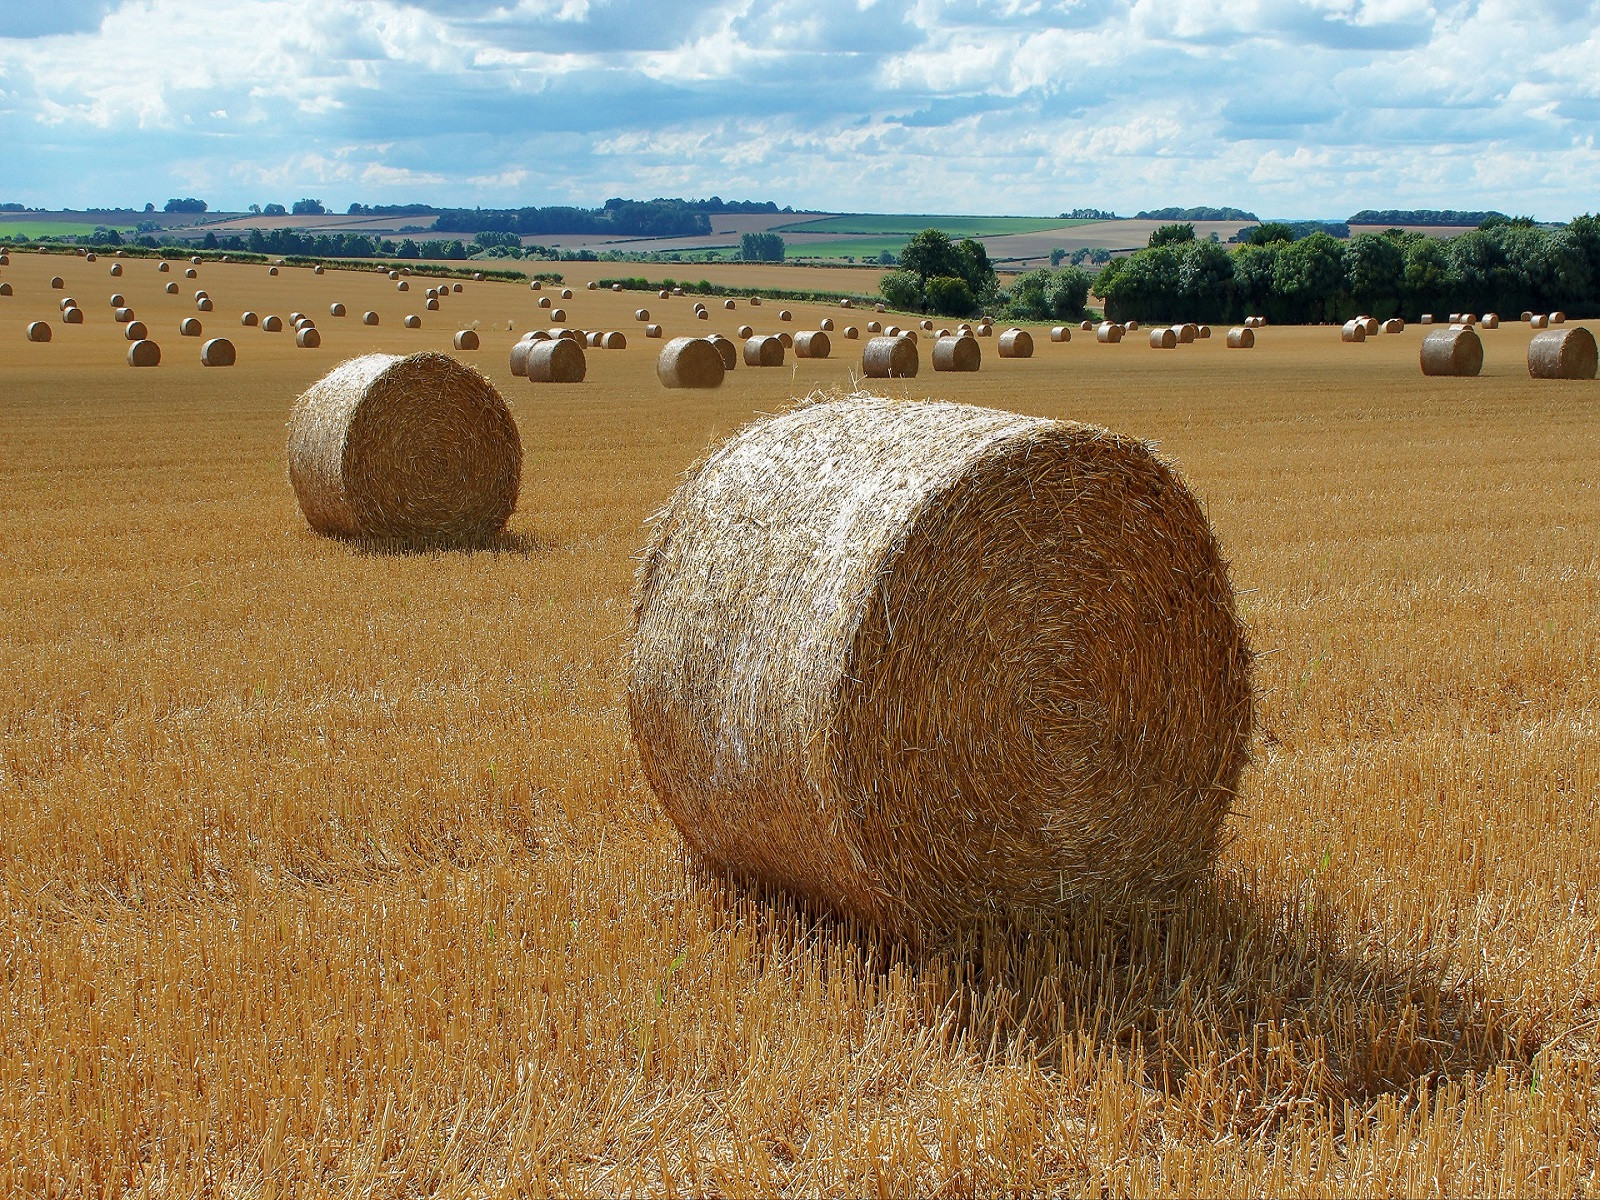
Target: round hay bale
{"type": "Point", "coordinates": [456, 287]}
{"type": "Point", "coordinates": [786, 338]}
{"type": "Point", "coordinates": [677, 291]}
{"type": "Point", "coordinates": [744, 332]}
{"type": "Point", "coordinates": [702, 315]}
{"type": "Point", "coordinates": [641, 314]}
{"type": "Point", "coordinates": [204, 304]}
{"type": "Point", "coordinates": [1455, 318]}
{"type": "Point", "coordinates": [826, 324]}
{"type": "Point", "coordinates": [925, 664]}
{"type": "Point", "coordinates": [403, 286]}
{"type": "Point", "coordinates": [465, 339]}
{"type": "Point", "coordinates": [116, 270]}
{"type": "Point", "coordinates": [812, 345]}
{"type": "Point", "coordinates": [248, 318]}
{"type": "Point", "coordinates": [39, 331]}
{"type": "Point", "coordinates": [191, 273]}
{"type": "Point", "coordinates": [755, 301]}
{"type": "Point", "coordinates": [652, 331]}
{"type": "Point", "coordinates": [941, 333]}
{"type": "Point", "coordinates": [272, 270]}
{"type": "Point", "coordinates": [195, 259]}
{"type": "Point", "coordinates": [163, 267]}
{"type": "Point", "coordinates": [317, 270]}
{"type": "Point", "coordinates": [270, 324]}
{"type": "Point", "coordinates": [1205, 333]}
{"type": "Point", "coordinates": [91, 256]}
{"type": "Point", "coordinates": [189, 327]}
{"type": "Point", "coordinates": [519, 358]}
{"type": "Point", "coordinates": [1527, 315]}
{"type": "Point", "coordinates": [1060, 333]}
{"type": "Point", "coordinates": [393, 275]}
{"type": "Point", "coordinates": [419, 448]}
{"type": "Point", "coordinates": [729, 352]}
{"type": "Point", "coordinates": [874, 327]}
{"type": "Point", "coordinates": [5, 289]}
{"type": "Point", "coordinates": [1108, 332]}
{"type": "Point", "coordinates": [566, 293]}
{"type": "Point", "coordinates": [308, 338]}
{"type": "Point", "coordinates": [1563, 354]}
{"type": "Point", "coordinates": [851, 333]}
{"type": "Point", "coordinates": [1016, 343]}
{"type": "Point", "coordinates": [412, 321]}
{"type": "Point", "coordinates": [118, 300]}
{"type": "Point", "coordinates": [1558, 317]}
{"type": "Point", "coordinates": [72, 316]}
{"type": "Point", "coordinates": [201, 294]}
{"type": "Point", "coordinates": [729, 305]}
{"type": "Point", "coordinates": [1394, 325]}
{"type": "Point", "coordinates": [925, 325]}
{"type": "Point", "coordinates": [1353, 331]}
{"type": "Point", "coordinates": [1425, 319]}
{"type": "Point", "coordinates": [687, 362]}
{"type": "Point", "coordinates": [785, 315]}
{"type": "Point", "coordinates": [592, 338]}
{"type": "Point", "coordinates": [558, 314]}
{"type": "Point", "coordinates": [431, 305]}
{"type": "Point", "coordinates": [218, 352]}
{"type": "Point", "coordinates": [1242, 337]}
{"type": "Point", "coordinates": [1187, 333]}
{"type": "Point", "coordinates": [1452, 352]}
{"type": "Point", "coordinates": [1469, 318]}
{"type": "Point", "coordinates": [560, 360]}
{"type": "Point", "coordinates": [1163, 337]}
{"type": "Point", "coordinates": [535, 285]}
{"type": "Point", "coordinates": [616, 287]}
{"type": "Point", "coordinates": [763, 351]}
{"type": "Point", "coordinates": [369, 318]}
{"type": "Point", "coordinates": [662, 294]}
{"type": "Point", "coordinates": [304, 322]}
{"type": "Point", "coordinates": [135, 331]}
{"type": "Point", "coordinates": [1132, 326]}
{"type": "Point", "coordinates": [847, 303]}
{"type": "Point", "coordinates": [544, 301]}
{"type": "Point", "coordinates": [144, 353]}
{"type": "Point", "coordinates": [336, 310]}
{"type": "Point", "coordinates": [614, 340]}
{"type": "Point", "coordinates": [960, 352]}
{"type": "Point", "coordinates": [172, 288]}
{"type": "Point", "coordinates": [572, 335]}
{"type": "Point", "coordinates": [1491, 321]}
{"type": "Point", "coordinates": [889, 358]}
{"type": "Point", "coordinates": [1538, 321]}
{"type": "Point", "coordinates": [67, 302]}
{"type": "Point", "coordinates": [984, 331]}
{"type": "Point", "coordinates": [593, 287]}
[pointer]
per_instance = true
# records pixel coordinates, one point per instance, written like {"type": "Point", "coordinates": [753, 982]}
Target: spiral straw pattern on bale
{"type": "Point", "coordinates": [1456, 351]}
{"type": "Point", "coordinates": [918, 662]}
{"type": "Point", "coordinates": [414, 449]}
{"type": "Point", "coordinates": [1568, 353]}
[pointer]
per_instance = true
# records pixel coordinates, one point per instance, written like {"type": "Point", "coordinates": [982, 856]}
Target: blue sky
{"type": "Point", "coordinates": [1289, 108]}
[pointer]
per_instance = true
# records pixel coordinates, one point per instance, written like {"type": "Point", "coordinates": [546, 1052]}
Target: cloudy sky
{"type": "Point", "coordinates": [1295, 108]}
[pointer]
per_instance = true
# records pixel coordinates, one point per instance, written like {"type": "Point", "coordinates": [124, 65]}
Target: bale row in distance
{"type": "Point", "coordinates": [882, 760]}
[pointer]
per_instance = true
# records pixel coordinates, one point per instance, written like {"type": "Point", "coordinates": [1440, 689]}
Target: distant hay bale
{"type": "Point", "coordinates": [889, 358]}
{"type": "Point", "coordinates": [785, 315]}
{"type": "Point", "coordinates": [1425, 319]}
{"type": "Point", "coordinates": [926, 664]}
{"type": "Point", "coordinates": [786, 338]}
{"type": "Point", "coordinates": [118, 300]}
{"type": "Point", "coordinates": [419, 449]}
{"type": "Point", "coordinates": [369, 318]}
{"type": "Point", "coordinates": [1491, 320]}
{"type": "Point", "coordinates": [218, 352]}
{"type": "Point", "coordinates": [296, 317]}
{"type": "Point", "coordinates": [1455, 318]}
{"type": "Point", "coordinates": [1108, 333]}
{"type": "Point", "coordinates": [248, 318]}
{"type": "Point", "coordinates": [614, 340]}
{"type": "Point", "coordinates": [1086, 326]}
{"type": "Point", "coordinates": [116, 269]}
{"type": "Point", "coordinates": [272, 270]}
{"type": "Point", "coordinates": [72, 316]}
{"type": "Point", "coordinates": [535, 285]}
{"type": "Point", "coordinates": [812, 345]}
{"type": "Point", "coordinates": [1469, 318]}
{"type": "Point", "coordinates": [558, 314]}
{"type": "Point", "coordinates": [204, 304]}
{"type": "Point", "coordinates": [195, 259]}
{"type": "Point", "coordinates": [66, 303]}
{"type": "Point", "coordinates": [729, 352]}
{"type": "Point", "coordinates": [272, 324]}
{"type": "Point", "coordinates": [1060, 333]}
{"type": "Point", "coordinates": [544, 301]}
{"type": "Point", "coordinates": [89, 257]}
{"type": "Point", "coordinates": [1132, 326]}
{"type": "Point", "coordinates": [729, 305]}
{"type": "Point", "coordinates": [1163, 337]}
{"type": "Point", "coordinates": [1563, 354]}
{"type": "Point", "coordinates": [763, 351]}
{"type": "Point", "coordinates": [307, 338]}
{"type": "Point", "coordinates": [317, 270]}
{"type": "Point", "coordinates": [144, 353]}
{"type": "Point", "coordinates": [616, 287]}
{"type": "Point", "coordinates": [1558, 317]}
{"type": "Point", "coordinates": [336, 310]}
{"type": "Point", "coordinates": [755, 301]}
{"type": "Point", "coordinates": [1527, 315]}
{"type": "Point", "coordinates": [592, 286]}
{"type": "Point", "coordinates": [1242, 337]}
{"type": "Point", "coordinates": [677, 291]}
{"type": "Point", "coordinates": [163, 267]}
{"type": "Point", "coordinates": [1394, 325]}
{"type": "Point", "coordinates": [942, 333]}
{"type": "Point", "coordinates": [641, 314]}
{"type": "Point", "coordinates": [560, 360]}
{"type": "Point", "coordinates": [702, 315]}
{"type": "Point", "coordinates": [847, 303]}
{"type": "Point", "coordinates": [135, 331]}
{"type": "Point", "coordinates": [687, 362]}
{"type": "Point", "coordinates": [172, 288]}
{"type": "Point", "coordinates": [984, 331]}
{"type": "Point", "coordinates": [1187, 333]}
{"type": "Point", "coordinates": [566, 293]}
{"type": "Point", "coordinates": [1369, 326]}
{"type": "Point", "coordinates": [959, 352]}
{"type": "Point", "coordinates": [189, 327]}
{"type": "Point", "coordinates": [1538, 321]}
{"type": "Point", "coordinates": [826, 324]}
{"type": "Point", "coordinates": [663, 294]}
{"type": "Point", "coordinates": [652, 331]}
{"type": "Point", "coordinates": [874, 327]}
{"type": "Point", "coordinates": [519, 358]}
{"type": "Point", "coordinates": [191, 273]}
{"type": "Point", "coordinates": [1452, 352]}
{"type": "Point", "coordinates": [455, 288]}
{"type": "Point", "coordinates": [879, 308]}
{"type": "Point", "coordinates": [465, 339]}
{"type": "Point", "coordinates": [403, 286]}
{"type": "Point", "coordinates": [1205, 333]}
{"type": "Point", "coordinates": [592, 338]}
{"type": "Point", "coordinates": [412, 321]}
{"type": "Point", "coordinates": [5, 290]}
{"type": "Point", "coordinates": [925, 325]}
{"type": "Point", "coordinates": [431, 305]}
{"type": "Point", "coordinates": [1353, 331]}
{"type": "Point", "coordinates": [851, 333]}
{"type": "Point", "coordinates": [39, 331]}
{"type": "Point", "coordinates": [1016, 343]}
{"type": "Point", "coordinates": [743, 332]}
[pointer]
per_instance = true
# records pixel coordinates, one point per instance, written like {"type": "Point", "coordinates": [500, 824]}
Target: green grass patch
{"type": "Point", "coordinates": [863, 250]}
{"type": "Point", "coordinates": [23, 227]}
{"type": "Point", "coordinates": [903, 224]}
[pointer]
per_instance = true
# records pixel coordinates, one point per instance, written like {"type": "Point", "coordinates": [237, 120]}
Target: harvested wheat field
{"type": "Point", "coordinates": [331, 869]}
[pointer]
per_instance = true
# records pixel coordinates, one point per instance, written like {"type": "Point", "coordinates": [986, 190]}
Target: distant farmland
{"type": "Point", "coordinates": [907, 224]}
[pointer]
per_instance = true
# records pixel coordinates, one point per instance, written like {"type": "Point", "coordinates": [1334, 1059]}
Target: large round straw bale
{"type": "Point", "coordinates": [544, 301]}
{"type": "Point", "coordinates": [1353, 331]}
{"type": "Point", "coordinates": [1558, 317]}
{"type": "Point", "coordinates": [317, 270]}
{"type": "Point", "coordinates": [218, 352]}
{"type": "Point", "coordinates": [785, 315]}
{"type": "Point", "coordinates": [1394, 325]}
{"type": "Point", "coordinates": [677, 291]}
{"type": "Point", "coordinates": [72, 316]}
{"type": "Point", "coordinates": [847, 303]}
{"type": "Point", "coordinates": [456, 287]}
{"type": "Point", "coordinates": [960, 352]}
{"type": "Point", "coordinates": [1187, 333]}
{"type": "Point", "coordinates": [336, 310]}
{"type": "Point", "coordinates": [1455, 318]}
{"type": "Point", "coordinates": [249, 318]}
{"type": "Point", "coordinates": [786, 338]}
{"type": "Point", "coordinates": [412, 321]}
{"type": "Point", "coordinates": [308, 338]}
{"type": "Point", "coordinates": [67, 302]}
{"type": "Point", "coordinates": [1563, 354]}
{"type": "Point", "coordinates": [116, 269]}
{"type": "Point", "coordinates": [755, 301]}
{"type": "Point", "coordinates": [1205, 333]}
{"type": "Point", "coordinates": [1132, 326]}
{"type": "Point", "coordinates": [889, 358]}
{"type": "Point", "coordinates": [189, 327]}
{"type": "Point", "coordinates": [984, 331]}
{"type": "Point", "coordinates": [812, 345]}
{"type": "Point", "coordinates": [687, 362]}
{"type": "Point", "coordinates": [1452, 352]}
{"type": "Point", "coordinates": [519, 358]}
{"type": "Point", "coordinates": [560, 360]}
{"type": "Point", "coordinates": [702, 315]}
{"type": "Point", "coordinates": [663, 294]}
{"type": "Point", "coordinates": [39, 331]}
{"type": "Point", "coordinates": [369, 318]}
{"type": "Point", "coordinates": [851, 332]}
{"type": "Point", "coordinates": [652, 331]}
{"type": "Point", "coordinates": [144, 353]}
{"type": "Point", "coordinates": [1108, 332]}
{"type": "Point", "coordinates": [1016, 343]}
{"type": "Point", "coordinates": [558, 314]}
{"type": "Point", "coordinates": [1060, 333]}
{"type": "Point", "coordinates": [923, 663]}
{"type": "Point", "coordinates": [826, 324]}
{"type": "Point", "coordinates": [729, 352]}
{"type": "Point", "coordinates": [135, 331]}
{"type": "Point", "coordinates": [616, 287]}
{"type": "Point", "coordinates": [874, 327]}
{"type": "Point", "coordinates": [1469, 318]}
{"type": "Point", "coordinates": [1163, 337]}
{"type": "Point", "coordinates": [465, 339]}
{"type": "Point", "coordinates": [641, 314]}
{"type": "Point", "coordinates": [592, 338]}
{"type": "Point", "coordinates": [574, 335]}
{"type": "Point", "coordinates": [763, 351]}
{"type": "Point", "coordinates": [1241, 337]}
{"type": "Point", "coordinates": [418, 448]}
{"type": "Point", "coordinates": [534, 285]}
{"type": "Point", "coordinates": [614, 340]}
{"type": "Point", "coordinates": [271, 324]}
{"type": "Point", "coordinates": [1538, 321]}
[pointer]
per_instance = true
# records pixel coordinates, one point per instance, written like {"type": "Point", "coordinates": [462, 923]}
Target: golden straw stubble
{"type": "Point", "coordinates": [420, 448]}
{"type": "Point", "coordinates": [923, 662]}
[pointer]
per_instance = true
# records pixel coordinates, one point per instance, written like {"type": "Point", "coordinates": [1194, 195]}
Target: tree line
{"type": "Point", "coordinates": [1506, 265]}
{"type": "Point", "coordinates": [956, 279]}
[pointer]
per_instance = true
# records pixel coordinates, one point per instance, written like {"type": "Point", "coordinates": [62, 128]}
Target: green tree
{"type": "Point", "coordinates": [1172, 235]}
{"type": "Point", "coordinates": [949, 296]}
{"type": "Point", "coordinates": [1069, 292]}
{"type": "Point", "coordinates": [1427, 280]}
{"type": "Point", "coordinates": [1031, 295]}
{"type": "Point", "coordinates": [308, 208]}
{"type": "Point", "coordinates": [1266, 234]}
{"type": "Point", "coordinates": [1056, 256]}
{"type": "Point", "coordinates": [761, 247]}
{"type": "Point", "coordinates": [1255, 269]}
{"type": "Point", "coordinates": [1309, 278]}
{"type": "Point", "coordinates": [902, 290]}
{"type": "Point", "coordinates": [930, 254]}
{"type": "Point", "coordinates": [1374, 271]}
{"type": "Point", "coordinates": [1205, 281]}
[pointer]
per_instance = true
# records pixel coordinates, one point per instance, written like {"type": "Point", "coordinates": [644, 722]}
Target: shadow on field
{"type": "Point", "coordinates": [1216, 997]}
{"type": "Point", "coordinates": [522, 545]}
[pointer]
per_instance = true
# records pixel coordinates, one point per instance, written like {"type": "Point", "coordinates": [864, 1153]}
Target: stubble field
{"type": "Point", "coordinates": [329, 870]}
